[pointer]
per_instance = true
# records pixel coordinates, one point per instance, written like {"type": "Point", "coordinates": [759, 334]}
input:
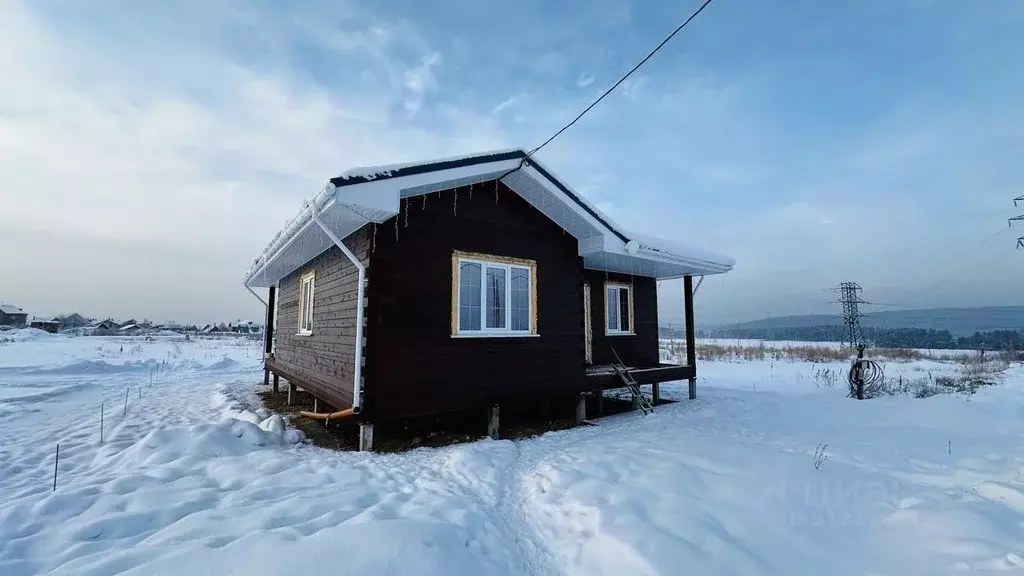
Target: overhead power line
{"type": "Point", "coordinates": [1016, 201]}
{"type": "Point", "coordinates": [621, 80]}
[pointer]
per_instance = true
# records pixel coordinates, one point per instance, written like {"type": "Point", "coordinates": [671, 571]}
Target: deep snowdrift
{"type": "Point", "coordinates": [192, 477]}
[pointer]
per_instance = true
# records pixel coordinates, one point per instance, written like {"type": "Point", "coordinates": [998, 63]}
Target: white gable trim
{"type": "Point", "coordinates": [375, 195]}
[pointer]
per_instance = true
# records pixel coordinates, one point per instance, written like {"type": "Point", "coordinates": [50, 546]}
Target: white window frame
{"type": "Point", "coordinates": [493, 262]}
{"type": "Point", "coordinates": [306, 303]}
{"type": "Point", "coordinates": [618, 305]}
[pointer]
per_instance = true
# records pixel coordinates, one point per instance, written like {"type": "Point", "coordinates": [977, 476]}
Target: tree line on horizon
{"type": "Point", "coordinates": [1002, 340]}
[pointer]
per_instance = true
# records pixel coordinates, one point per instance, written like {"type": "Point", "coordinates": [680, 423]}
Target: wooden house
{"type": "Point", "coordinates": [105, 327]}
{"type": "Point", "coordinates": [462, 284]}
{"type": "Point", "coordinates": [74, 320]}
{"type": "Point", "coordinates": [11, 315]}
{"type": "Point", "coordinates": [51, 325]}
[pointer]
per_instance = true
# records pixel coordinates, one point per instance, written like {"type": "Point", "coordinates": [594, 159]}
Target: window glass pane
{"type": "Point", "coordinates": [624, 309]}
{"type": "Point", "coordinates": [304, 307]}
{"type": "Point", "coordinates": [309, 308]}
{"type": "Point", "coordinates": [469, 296]}
{"type": "Point", "coordinates": [520, 299]}
{"type": "Point", "coordinates": [309, 305]}
{"type": "Point", "coordinates": [612, 300]}
{"type": "Point", "coordinates": [495, 289]}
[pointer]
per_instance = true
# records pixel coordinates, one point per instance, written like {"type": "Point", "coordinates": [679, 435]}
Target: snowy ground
{"type": "Point", "coordinates": [726, 484]}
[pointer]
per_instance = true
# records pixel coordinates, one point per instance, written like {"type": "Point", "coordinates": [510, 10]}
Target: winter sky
{"type": "Point", "coordinates": [149, 151]}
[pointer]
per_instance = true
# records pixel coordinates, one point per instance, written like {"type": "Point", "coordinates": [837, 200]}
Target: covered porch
{"type": "Point", "coordinates": [605, 377]}
{"type": "Point", "coordinates": [600, 370]}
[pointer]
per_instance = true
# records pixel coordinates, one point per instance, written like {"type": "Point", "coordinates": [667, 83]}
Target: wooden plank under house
{"type": "Point", "coordinates": [464, 284]}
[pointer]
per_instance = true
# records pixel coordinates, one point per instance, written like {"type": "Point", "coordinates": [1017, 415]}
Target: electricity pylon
{"type": "Point", "coordinates": [849, 297]}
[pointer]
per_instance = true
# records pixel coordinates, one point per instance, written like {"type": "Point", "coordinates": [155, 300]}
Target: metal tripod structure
{"type": "Point", "coordinates": [849, 297]}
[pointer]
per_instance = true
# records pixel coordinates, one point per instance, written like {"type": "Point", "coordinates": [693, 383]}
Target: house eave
{"type": "Point", "coordinates": [373, 195]}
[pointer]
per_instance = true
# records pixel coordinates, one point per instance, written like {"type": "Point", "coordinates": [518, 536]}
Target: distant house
{"type": "Point", "coordinates": [11, 315]}
{"type": "Point", "coordinates": [129, 329]}
{"type": "Point", "coordinates": [107, 325]}
{"type": "Point", "coordinates": [462, 284]}
{"type": "Point", "coordinates": [245, 327]}
{"type": "Point", "coordinates": [75, 320]}
{"type": "Point", "coordinates": [216, 328]}
{"type": "Point", "coordinates": [52, 325]}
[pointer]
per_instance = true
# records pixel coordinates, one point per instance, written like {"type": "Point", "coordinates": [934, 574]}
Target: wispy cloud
{"type": "Point", "coordinates": [508, 103]}
{"type": "Point", "coordinates": [93, 151]}
{"type": "Point", "coordinates": [193, 140]}
{"type": "Point", "coordinates": [633, 85]}
{"type": "Point", "coordinates": [420, 81]}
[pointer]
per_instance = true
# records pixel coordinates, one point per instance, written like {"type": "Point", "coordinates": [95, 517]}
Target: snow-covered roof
{"type": "Point", "coordinates": [367, 173]}
{"type": "Point", "coordinates": [10, 309]}
{"type": "Point", "coordinates": [373, 194]}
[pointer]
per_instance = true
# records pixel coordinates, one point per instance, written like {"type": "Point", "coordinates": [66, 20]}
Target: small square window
{"type": "Point", "coordinates": [306, 288]}
{"type": "Point", "coordinates": [618, 309]}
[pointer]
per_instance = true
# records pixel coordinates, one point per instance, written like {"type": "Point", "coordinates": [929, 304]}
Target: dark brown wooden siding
{"type": "Point", "coordinates": [324, 360]}
{"type": "Point", "coordinates": [640, 349]}
{"type": "Point", "coordinates": [414, 366]}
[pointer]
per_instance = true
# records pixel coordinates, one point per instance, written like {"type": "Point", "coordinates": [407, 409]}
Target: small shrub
{"type": "Point", "coordinates": [825, 377]}
{"type": "Point", "coordinates": [820, 456]}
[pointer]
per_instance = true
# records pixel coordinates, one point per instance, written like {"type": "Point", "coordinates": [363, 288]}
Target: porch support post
{"type": "Point", "coordinates": [691, 339]}
{"type": "Point", "coordinates": [316, 404]}
{"type": "Point", "coordinates": [492, 422]}
{"type": "Point", "coordinates": [268, 336]}
{"type": "Point", "coordinates": [268, 326]}
{"type": "Point", "coordinates": [600, 401]}
{"type": "Point", "coordinates": [581, 408]}
{"type": "Point", "coordinates": [655, 393]}
{"type": "Point", "coordinates": [292, 389]}
{"type": "Point", "coordinates": [365, 437]}
{"type": "Point", "coordinates": [277, 380]}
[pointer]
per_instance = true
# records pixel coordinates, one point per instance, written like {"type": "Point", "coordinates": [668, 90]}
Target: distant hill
{"type": "Point", "coordinates": [958, 321]}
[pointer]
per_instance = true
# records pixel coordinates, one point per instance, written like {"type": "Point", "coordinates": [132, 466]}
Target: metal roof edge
{"type": "Point", "coordinates": [342, 181]}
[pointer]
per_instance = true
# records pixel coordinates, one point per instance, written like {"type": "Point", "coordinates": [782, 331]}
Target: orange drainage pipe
{"type": "Point", "coordinates": [346, 413]}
